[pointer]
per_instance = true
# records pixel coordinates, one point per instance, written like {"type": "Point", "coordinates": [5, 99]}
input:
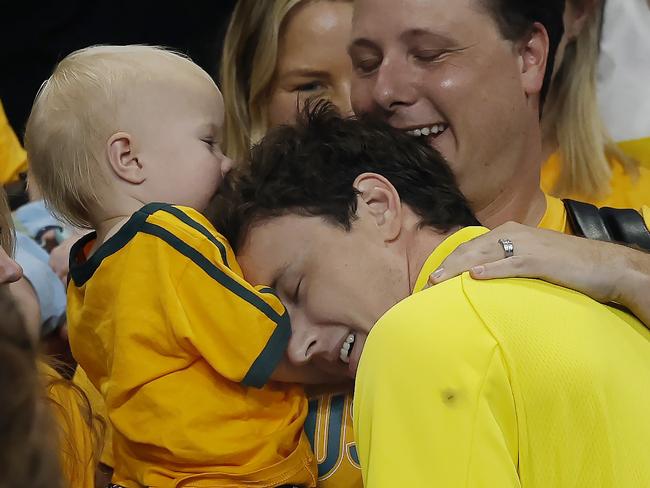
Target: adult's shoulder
{"type": "Point", "coordinates": [440, 323]}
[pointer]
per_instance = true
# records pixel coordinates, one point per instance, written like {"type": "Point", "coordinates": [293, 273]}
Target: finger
{"type": "Point", "coordinates": [474, 253]}
{"type": "Point", "coordinates": [514, 267]}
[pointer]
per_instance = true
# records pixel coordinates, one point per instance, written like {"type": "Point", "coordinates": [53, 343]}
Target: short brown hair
{"type": "Point", "coordinates": [309, 169]}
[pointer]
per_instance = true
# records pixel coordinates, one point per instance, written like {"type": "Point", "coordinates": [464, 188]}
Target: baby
{"type": "Point", "coordinates": [180, 346]}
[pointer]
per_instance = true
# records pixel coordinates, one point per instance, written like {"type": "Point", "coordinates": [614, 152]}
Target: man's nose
{"type": "Point", "coordinates": [393, 87]}
{"type": "Point", "coordinates": [305, 344]}
{"type": "Point", "coordinates": [10, 270]}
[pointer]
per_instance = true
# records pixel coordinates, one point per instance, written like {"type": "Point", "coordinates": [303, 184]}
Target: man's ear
{"type": "Point", "coordinates": [122, 159]}
{"type": "Point", "coordinates": [533, 52]}
{"type": "Point", "coordinates": [382, 202]}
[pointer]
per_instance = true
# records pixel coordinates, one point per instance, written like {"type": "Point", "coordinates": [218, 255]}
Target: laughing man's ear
{"type": "Point", "coordinates": [382, 202]}
{"type": "Point", "coordinates": [124, 163]}
{"type": "Point", "coordinates": [533, 52]}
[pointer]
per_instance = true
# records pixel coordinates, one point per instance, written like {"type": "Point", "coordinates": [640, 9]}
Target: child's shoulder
{"type": "Point", "coordinates": [184, 227]}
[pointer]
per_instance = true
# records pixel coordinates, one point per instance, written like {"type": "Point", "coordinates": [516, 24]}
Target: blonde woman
{"type": "Point", "coordinates": [278, 54]}
{"type": "Point", "coordinates": [584, 163]}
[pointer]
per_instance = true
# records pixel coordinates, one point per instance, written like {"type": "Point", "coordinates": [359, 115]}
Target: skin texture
{"type": "Point", "coordinates": [433, 61]}
{"type": "Point", "coordinates": [312, 60]}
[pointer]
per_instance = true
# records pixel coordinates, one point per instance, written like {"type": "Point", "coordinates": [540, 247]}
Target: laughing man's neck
{"type": "Point", "coordinates": [518, 205]}
{"type": "Point", "coordinates": [422, 243]}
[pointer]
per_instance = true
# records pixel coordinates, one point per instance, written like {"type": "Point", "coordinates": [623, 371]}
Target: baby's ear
{"type": "Point", "coordinates": [123, 162]}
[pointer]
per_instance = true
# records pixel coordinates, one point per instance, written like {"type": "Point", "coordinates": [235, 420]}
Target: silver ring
{"type": "Point", "coordinates": [508, 247]}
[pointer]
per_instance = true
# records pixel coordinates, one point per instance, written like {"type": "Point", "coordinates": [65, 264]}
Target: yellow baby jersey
{"type": "Point", "coordinates": [13, 159]}
{"type": "Point", "coordinates": [503, 383]}
{"type": "Point", "coordinates": [328, 427]}
{"type": "Point", "coordinates": [627, 191]}
{"type": "Point", "coordinates": [181, 349]}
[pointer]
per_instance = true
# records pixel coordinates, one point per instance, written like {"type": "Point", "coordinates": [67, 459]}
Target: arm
{"type": "Point", "coordinates": [606, 272]}
{"type": "Point", "coordinates": [433, 404]}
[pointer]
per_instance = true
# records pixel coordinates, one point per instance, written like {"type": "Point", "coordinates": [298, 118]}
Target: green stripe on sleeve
{"type": "Point", "coordinates": [267, 361]}
{"type": "Point", "coordinates": [186, 219]}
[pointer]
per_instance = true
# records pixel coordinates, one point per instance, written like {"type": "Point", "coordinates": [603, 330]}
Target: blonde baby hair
{"type": "Point", "coordinates": [76, 111]}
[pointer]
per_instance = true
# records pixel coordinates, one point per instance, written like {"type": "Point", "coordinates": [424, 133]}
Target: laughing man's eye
{"type": "Point", "coordinates": [366, 65]}
{"type": "Point", "coordinates": [296, 292]}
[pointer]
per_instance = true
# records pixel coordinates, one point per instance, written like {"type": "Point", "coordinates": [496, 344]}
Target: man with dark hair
{"type": "Point", "coordinates": [502, 383]}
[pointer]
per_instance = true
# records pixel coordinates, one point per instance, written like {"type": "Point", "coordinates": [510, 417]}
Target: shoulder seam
{"type": "Point", "coordinates": [197, 226]}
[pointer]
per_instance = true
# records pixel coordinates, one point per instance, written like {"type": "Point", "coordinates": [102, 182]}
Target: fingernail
{"type": "Point", "coordinates": [437, 274]}
{"type": "Point", "coordinates": [478, 270]}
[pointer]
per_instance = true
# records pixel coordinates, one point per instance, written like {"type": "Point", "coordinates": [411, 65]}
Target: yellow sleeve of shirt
{"type": "Point", "coordinates": [75, 428]}
{"type": "Point", "coordinates": [13, 158]}
{"type": "Point", "coordinates": [433, 404]}
{"type": "Point", "coordinates": [239, 330]}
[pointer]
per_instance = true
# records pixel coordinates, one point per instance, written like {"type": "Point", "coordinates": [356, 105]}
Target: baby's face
{"type": "Point", "coordinates": [177, 139]}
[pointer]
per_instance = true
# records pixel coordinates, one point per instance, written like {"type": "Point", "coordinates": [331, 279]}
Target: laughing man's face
{"type": "Point", "coordinates": [335, 284]}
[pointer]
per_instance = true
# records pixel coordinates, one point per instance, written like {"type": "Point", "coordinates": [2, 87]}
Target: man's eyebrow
{"type": "Point", "coordinates": [436, 36]}
{"type": "Point", "coordinates": [405, 36]}
{"type": "Point", "coordinates": [362, 42]}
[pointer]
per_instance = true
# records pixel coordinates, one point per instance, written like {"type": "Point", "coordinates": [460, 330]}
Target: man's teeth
{"type": "Point", "coordinates": [346, 349]}
{"type": "Point", "coordinates": [425, 131]}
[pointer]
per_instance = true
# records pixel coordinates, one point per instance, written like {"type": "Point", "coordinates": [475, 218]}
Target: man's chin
{"type": "Point", "coordinates": [337, 371]}
{"type": "Point", "coordinates": [340, 370]}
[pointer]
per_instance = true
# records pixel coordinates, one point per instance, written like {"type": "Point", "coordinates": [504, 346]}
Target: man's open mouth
{"type": "Point", "coordinates": [346, 348]}
{"type": "Point", "coordinates": [434, 130]}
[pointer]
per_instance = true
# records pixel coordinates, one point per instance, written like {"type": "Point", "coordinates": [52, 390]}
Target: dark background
{"type": "Point", "coordinates": [35, 35]}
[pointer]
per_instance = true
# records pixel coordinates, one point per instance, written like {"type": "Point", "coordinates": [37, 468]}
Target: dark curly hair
{"type": "Point", "coordinates": [309, 169]}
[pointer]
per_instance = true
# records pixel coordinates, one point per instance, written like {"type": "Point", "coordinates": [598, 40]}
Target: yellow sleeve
{"type": "Point", "coordinates": [77, 430]}
{"type": "Point", "coordinates": [239, 330]}
{"type": "Point", "coordinates": [13, 158]}
{"type": "Point", "coordinates": [433, 403]}
{"type": "Point", "coordinates": [645, 211]}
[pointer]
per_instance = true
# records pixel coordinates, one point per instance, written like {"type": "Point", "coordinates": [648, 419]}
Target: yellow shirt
{"type": "Point", "coordinates": [503, 383]}
{"type": "Point", "coordinates": [181, 348]}
{"type": "Point", "coordinates": [77, 432]}
{"type": "Point", "coordinates": [555, 217]}
{"type": "Point", "coordinates": [626, 191]}
{"type": "Point", "coordinates": [638, 149]}
{"type": "Point", "coordinates": [13, 159]}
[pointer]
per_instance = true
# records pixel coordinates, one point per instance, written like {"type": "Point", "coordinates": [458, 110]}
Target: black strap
{"type": "Point", "coordinates": [608, 224]}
